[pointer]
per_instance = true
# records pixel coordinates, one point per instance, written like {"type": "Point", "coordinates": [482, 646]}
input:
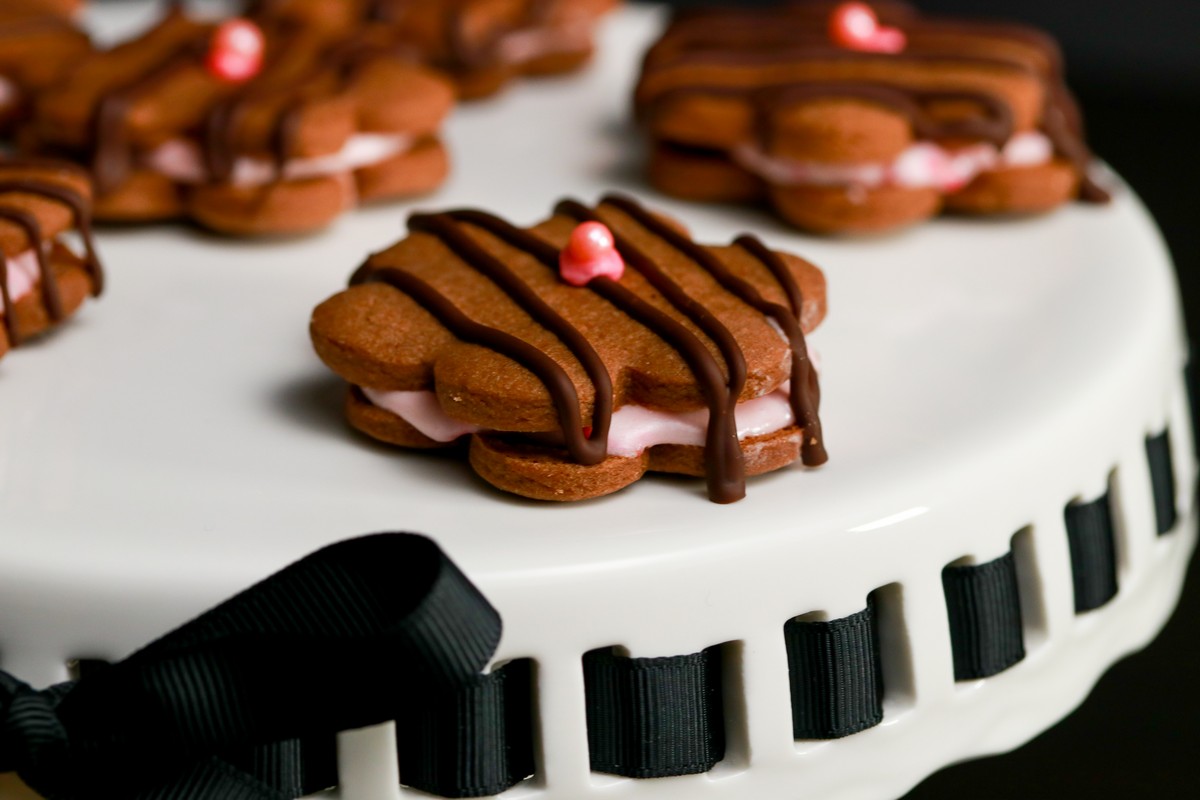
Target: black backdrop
{"type": "Point", "coordinates": [1135, 65]}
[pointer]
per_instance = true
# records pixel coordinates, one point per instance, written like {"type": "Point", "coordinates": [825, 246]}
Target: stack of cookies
{"type": "Point", "coordinates": [853, 118]}
{"type": "Point", "coordinates": [578, 355]}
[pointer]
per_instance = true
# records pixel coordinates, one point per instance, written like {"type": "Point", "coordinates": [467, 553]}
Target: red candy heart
{"type": "Point", "coordinates": [236, 51]}
{"type": "Point", "coordinates": [856, 27]}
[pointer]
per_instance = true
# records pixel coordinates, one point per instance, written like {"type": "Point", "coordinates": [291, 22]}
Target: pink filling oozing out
{"type": "Point", "coordinates": [634, 428]}
{"type": "Point", "coordinates": [23, 275]}
{"type": "Point", "coordinates": [922, 165]}
{"type": "Point", "coordinates": [181, 160]}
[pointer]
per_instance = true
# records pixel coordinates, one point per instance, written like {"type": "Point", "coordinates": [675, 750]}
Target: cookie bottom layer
{"type": "Point", "coordinates": [543, 472]}
{"type": "Point", "coordinates": [714, 177]}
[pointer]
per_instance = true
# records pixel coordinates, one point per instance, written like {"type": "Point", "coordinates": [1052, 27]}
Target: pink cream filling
{"type": "Point", "coordinates": [634, 428]}
{"type": "Point", "coordinates": [521, 46]}
{"type": "Point", "coordinates": [182, 160]}
{"type": "Point", "coordinates": [23, 275]}
{"type": "Point", "coordinates": [923, 165]}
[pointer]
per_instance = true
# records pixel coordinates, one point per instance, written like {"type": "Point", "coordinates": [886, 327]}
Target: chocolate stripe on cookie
{"type": "Point", "coordinates": [803, 400]}
{"type": "Point", "coordinates": [723, 452]}
{"type": "Point", "coordinates": [586, 450]}
{"type": "Point", "coordinates": [80, 212]}
{"type": "Point", "coordinates": [113, 153]}
{"type": "Point", "coordinates": [555, 379]}
{"type": "Point", "coordinates": [29, 223]}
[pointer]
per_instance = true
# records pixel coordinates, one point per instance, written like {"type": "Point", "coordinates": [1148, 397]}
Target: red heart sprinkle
{"type": "Point", "coordinates": [236, 51]}
{"type": "Point", "coordinates": [856, 27]}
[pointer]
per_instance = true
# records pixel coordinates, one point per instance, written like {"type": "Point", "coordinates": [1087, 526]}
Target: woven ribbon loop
{"type": "Point", "coordinates": [339, 640]}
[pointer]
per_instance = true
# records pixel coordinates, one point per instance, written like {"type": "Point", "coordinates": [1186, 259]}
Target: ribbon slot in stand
{"type": "Point", "coordinates": [224, 706]}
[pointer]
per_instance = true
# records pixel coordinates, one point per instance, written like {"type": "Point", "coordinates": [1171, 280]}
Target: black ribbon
{"type": "Point", "coordinates": [339, 640]}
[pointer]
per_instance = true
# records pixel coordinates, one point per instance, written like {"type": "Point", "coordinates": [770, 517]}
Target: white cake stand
{"type": "Point", "coordinates": [179, 441]}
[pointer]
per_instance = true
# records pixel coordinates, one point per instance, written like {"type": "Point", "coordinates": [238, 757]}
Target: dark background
{"type": "Point", "coordinates": [1135, 65]}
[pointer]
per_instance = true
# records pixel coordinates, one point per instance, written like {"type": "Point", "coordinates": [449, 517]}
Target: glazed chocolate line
{"type": "Point", "coordinates": [804, 408]}
{"type": "Point", "coordinates": [586, 450]}
{"type": "Point", "coordinates": [797, 23]}
{"type": "Point", "coordinates": [724, 465]}
{"type": "Point", "coordinates": [219, 149]}
{"type": "Point", "coordinates": [344, 58]}
{"type": "Point", "coordinates": [547, 370]}
{"type": "Point", "coordinates": [724, 461]}
{"type": "Point", "coordinates": [81, 213]}
{"type": "Point", "coordinates": [220, 152]}
{"type": "Point", "coordinates": [795, 56]}
{"type": "Point", "coordinates": [49, 287]}
{"type": "Point", "coordinates": [805, 393]}
{"type": "Point", "coordinates": [113, 156]}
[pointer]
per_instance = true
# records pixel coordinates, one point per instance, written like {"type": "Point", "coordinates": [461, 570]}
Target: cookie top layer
{"type": "Point", "coordinates": [720, 79]}
{"type": "Point", "coordinates": [474, 309]}
{"type": "Point", "coordinates": [313, 92]}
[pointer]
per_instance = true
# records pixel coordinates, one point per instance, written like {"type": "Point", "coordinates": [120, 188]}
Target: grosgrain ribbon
{"type": "Point", "coordinates": [336, 641]}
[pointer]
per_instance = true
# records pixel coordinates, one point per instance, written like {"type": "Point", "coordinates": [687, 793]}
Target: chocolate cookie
{"type": "Point", "coordinates": [42, 280]}
{"type": "Point", "coordinates": [38, 44]}
{"type": "Point", "coordinates": [849, 117]}
{"type": "Point", "coordinates": [247, 129]}
{"type": "Point", "coordinates": [482, 44]}
{"type": "Point", "coordinates": [581, 353]}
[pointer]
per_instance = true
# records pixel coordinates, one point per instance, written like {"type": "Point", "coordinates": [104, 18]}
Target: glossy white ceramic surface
{"type": "Point", "coordinates": [179, 440]}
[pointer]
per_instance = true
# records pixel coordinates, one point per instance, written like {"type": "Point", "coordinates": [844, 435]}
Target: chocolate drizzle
{"type": "Point", "coordinates": [720, 388]}
{"type": "Point", "coordinates": [113, 154]}
{"type": "Point", "coordinates": [802, 397]}
{"type": "Point", "coordinates": [586, 450]}
{"type": "Point", "coordinates": [777, 38]}
{"type": "Point", "coordinates": [722, 450]}
{"type": "Point", "coordinates": [28, 222]}
{"type": "Point", "coordinates": [113, 157]}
